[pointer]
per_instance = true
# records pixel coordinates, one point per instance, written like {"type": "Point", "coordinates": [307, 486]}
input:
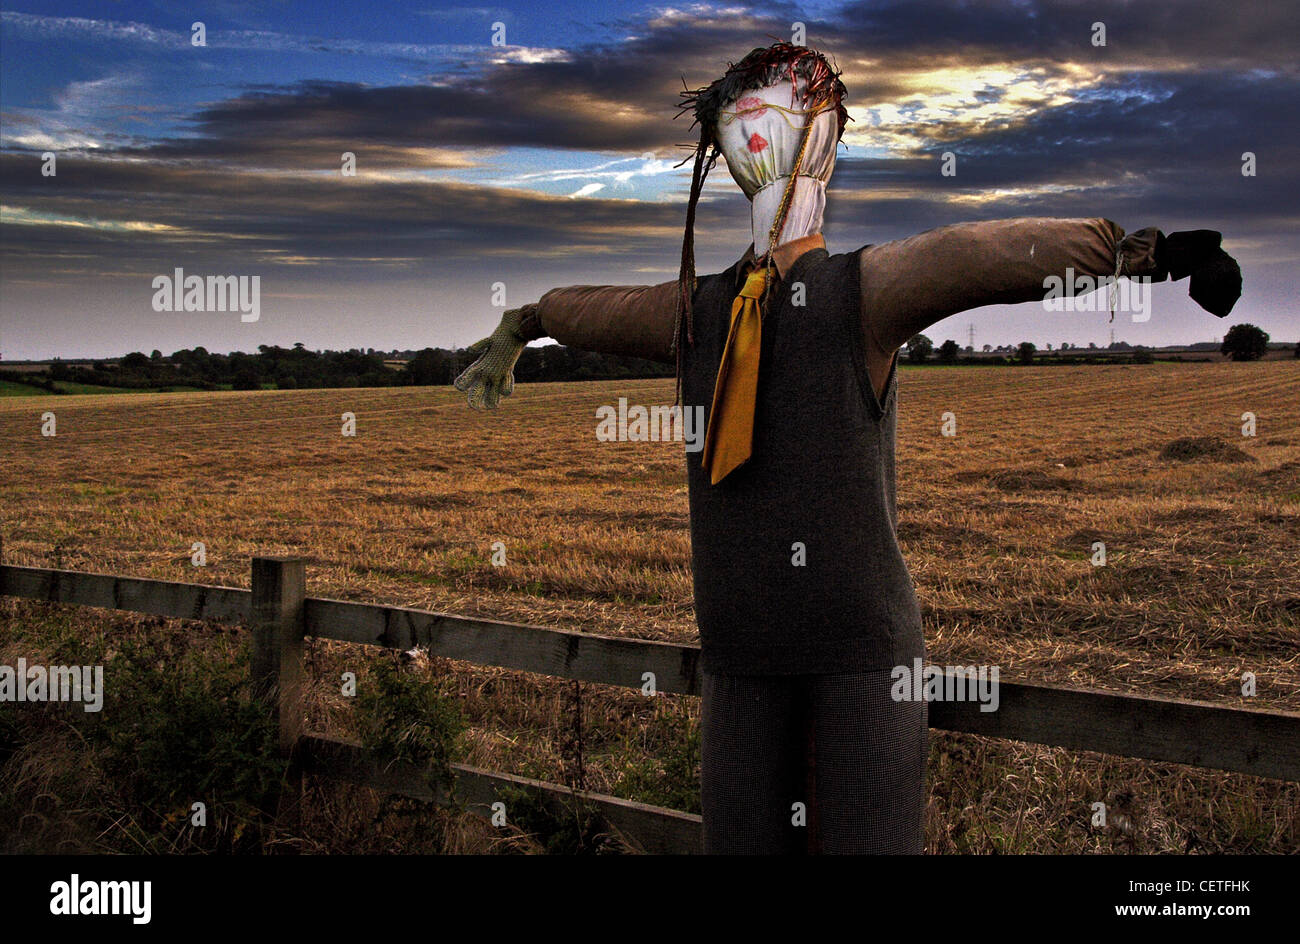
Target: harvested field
{"type": "Point", "coordinates": [1201, 528]}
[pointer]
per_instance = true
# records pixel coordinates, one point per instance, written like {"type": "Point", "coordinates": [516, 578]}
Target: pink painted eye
{"type": "Point", "coordinates": [757, 142]}
{"type": "Point", "coordinates": [750, 107]}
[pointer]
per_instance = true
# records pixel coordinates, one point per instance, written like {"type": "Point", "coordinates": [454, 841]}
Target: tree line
{"type": "Point", "coordinates": [1243, 342]}
{"type": "Point", "coordinates": [297, 367]}
{"type": "Point", "coordinates": [274, 367]}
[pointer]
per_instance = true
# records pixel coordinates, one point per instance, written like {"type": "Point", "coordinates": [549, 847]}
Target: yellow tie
{"type": "Point", "coordinates": [730, 436]}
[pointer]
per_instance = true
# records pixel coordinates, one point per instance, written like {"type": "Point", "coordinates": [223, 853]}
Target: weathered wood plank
{"type": "Point", "coordinates": [110, 591]}
{"type": "Point", "coordinates": [563, 653]}
{"type": "Point", "coordinates": [1261, 743]}
{"type": "Point", "coordinates": [1201, 734]}
{"type": "Point", "coordinates": [279, 588]}
{"type": "Point", "coordinates": [651, 829]}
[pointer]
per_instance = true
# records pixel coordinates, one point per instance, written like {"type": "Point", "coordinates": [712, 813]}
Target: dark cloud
{"type": "Point", "coordinates": [622, 97]}
{"type": "Point", "coordinates": [1152, 135]}
{"type": "Point", "coordinates": [342, 222]}
{"type": "Point", "coordinates": [1250, 34]}
{"type": "Point", "coordinates": [1168, 146]}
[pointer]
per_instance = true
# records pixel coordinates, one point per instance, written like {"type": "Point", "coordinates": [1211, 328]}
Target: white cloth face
{"type": "Point", "coordinates": [759, 135]}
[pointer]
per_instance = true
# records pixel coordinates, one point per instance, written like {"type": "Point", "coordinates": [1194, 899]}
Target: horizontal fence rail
{"type": "Point", "coordinates": [110, 591]}
{"type": "Point", "coordinates": [573, 655]}
{"type": "Point", "coordinates": [650, 829]}
{"type": "Point", "coordinates": [1200, 734]}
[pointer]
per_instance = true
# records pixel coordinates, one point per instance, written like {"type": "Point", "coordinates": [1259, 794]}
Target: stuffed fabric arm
{"type": "Point", "coordinates": [909, 284]}
{"type": "Point", "coordinates": [631, 320]}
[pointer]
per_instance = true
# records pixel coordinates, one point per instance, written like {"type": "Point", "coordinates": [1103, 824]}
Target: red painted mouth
{"type": "Point", "coordinates": [750, 107]}
{"type": "Point", "coordinates": [757, 142]}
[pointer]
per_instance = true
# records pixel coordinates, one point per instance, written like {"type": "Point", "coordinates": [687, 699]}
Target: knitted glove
{"type": "Point", "coordinates": [492, 376]}
{"type": "Point", "coordinates": [1216, 277]}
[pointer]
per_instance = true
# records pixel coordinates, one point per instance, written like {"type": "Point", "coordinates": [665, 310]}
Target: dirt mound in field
{"type": "Point", "coordinates": [1018, 480]}
{"type": "Point", "coordinates": [941, 533]}
{"type": "Point", "coordinates": [1203, 449]}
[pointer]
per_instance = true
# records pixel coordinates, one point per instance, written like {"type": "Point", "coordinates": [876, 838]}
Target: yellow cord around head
{"type": "Point", "coordinates": [778, 224]}
{"type": "Point", "coordinates": [727, 117]}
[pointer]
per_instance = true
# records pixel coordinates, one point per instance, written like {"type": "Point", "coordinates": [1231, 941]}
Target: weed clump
{"type": "Point", "coordinates": [404, 717]}
{"type": "Point", "coordinates": [182, 758]}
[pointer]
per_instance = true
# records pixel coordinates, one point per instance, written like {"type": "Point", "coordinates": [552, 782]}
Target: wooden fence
{"type": "Point", "coordinates": [281, 615]}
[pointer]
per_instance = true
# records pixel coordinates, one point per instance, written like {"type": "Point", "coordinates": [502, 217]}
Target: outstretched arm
{"type": "Point", "coordinates": [910, 284]}
{"type": "Point", "coordinates": [631, 320]}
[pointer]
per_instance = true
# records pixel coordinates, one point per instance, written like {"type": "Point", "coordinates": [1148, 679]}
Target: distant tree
{"type": "Point", "coordinates": [135, 361]}
{"type": "Point", "coordinates": [1092, 345]}
{"type": "Point", "coordinates": [156, 355]}
{"type": "Point", "coordinates": [987, 348]}
{"type": "Point", "coordinates": [919, 348]}
{"type": "Point", "coordinates": [948, 352]}
{"type": "Point", "coordinates": [1025, 352]}
{"type": "Point", "coordinates": [246, 379]}
{"type": "Point", "coordinates": [1142, 356]}
{"type": "Point", "coordinates": [1297, 350]}
{"type": "Point", "coordinates": [1245, 342]}
{"type": "Point", "coordinates": [430, 366]}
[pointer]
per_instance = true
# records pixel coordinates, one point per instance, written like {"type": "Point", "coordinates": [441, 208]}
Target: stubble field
{"type": "Point", "coordinates": [998, 525]}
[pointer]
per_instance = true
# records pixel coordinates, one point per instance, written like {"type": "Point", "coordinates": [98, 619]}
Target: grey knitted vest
{"type": "Point", "coordinates": [818, 491]}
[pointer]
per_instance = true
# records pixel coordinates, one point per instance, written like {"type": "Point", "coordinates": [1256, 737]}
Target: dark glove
{"type": "Point", "coordinates": [1216, 277]}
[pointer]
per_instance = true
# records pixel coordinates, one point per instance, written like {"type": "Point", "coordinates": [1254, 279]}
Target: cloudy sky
{"type": "Point", "coordinates": [550, 159]}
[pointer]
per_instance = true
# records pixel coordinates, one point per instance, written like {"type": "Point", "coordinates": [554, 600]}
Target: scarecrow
{"type": "Point", "coordinates": [804, 603]}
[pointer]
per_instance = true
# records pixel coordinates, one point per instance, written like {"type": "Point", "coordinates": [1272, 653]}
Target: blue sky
{"type": "Point", "coordinates": [549, 160]}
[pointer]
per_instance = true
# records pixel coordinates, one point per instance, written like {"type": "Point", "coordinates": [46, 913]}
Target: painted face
{"type": "Point", "coordinates": [759, 136]}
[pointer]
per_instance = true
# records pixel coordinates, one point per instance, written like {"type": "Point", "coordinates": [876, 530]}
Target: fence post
{"type": "Point", "coordinates": [279, 587]}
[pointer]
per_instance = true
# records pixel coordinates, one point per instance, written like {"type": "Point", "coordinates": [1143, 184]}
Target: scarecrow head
{"type": "Point", "coordinates": [776, 116]}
